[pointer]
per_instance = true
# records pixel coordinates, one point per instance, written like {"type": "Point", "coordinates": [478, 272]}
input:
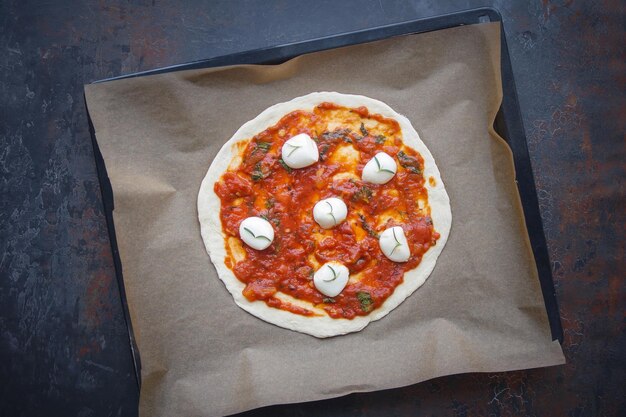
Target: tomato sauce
{"type": "Point", "coordinates": [263, 186]}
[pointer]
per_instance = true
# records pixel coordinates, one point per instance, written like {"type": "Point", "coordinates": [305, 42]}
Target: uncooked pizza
{"type": "Point", "coordinates": [324, 213]}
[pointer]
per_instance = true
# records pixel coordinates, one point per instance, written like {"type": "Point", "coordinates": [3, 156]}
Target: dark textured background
{"type": "Point", "coordinates": [63, 343]}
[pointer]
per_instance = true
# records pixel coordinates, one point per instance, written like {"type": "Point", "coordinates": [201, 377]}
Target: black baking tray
{"type": "Point", "coordinates": [508, 124]}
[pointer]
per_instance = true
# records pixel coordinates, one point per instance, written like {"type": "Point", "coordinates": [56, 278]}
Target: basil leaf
{"type": "Point", "coordinates": [363, 130]}
{"type": "Point", "coordinates": [323, 151]}
{"type": "Point", "coordinates": [257, 172]}
{"type": "Point", "coordinates": [336, 135]}
{"type": "Point", "coordinates": [367, 227]}
{"type": "Point", "coordinates": [363, 194]}
{"type": "Point", "coordinates": [409, 163]}
{"type": "Point", "coordinates": [264, 146]}
{"type": "Point", "coordinates": [365, 299]}
{"type": "Point", "coordinates": [284, 165]}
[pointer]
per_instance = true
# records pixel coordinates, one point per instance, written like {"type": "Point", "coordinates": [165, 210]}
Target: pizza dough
{"type": "Point", "coordinates": [214, 239]}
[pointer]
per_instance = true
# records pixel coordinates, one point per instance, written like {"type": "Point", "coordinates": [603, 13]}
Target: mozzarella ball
{"type": "Point", "coordinates": [380, 169]}
{"type": "Point", "coordinates": [331, 278]}
{"type": "Point", "coordinates": [394, 245]}
{"type": "Point", "coordinates": [329, 212]}
{"type": "Point", "coordinates": [256, 232]}
{"type": "Point", "coordinates": [300, 151]}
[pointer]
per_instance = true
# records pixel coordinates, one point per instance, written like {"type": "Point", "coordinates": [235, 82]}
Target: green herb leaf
{"type": "Point", "coordinates": [334, 274]}
{"type": "Point", "coordinates": [363, 194]}
{"type": "Point", "coordinates": [257, 236]}
{"type": "Point", "coordinates": [331, 213]}
{"type": "Point", "coordinates": [409, 163]}
{"type": "Point", "coordinates": [284, 165]}
{"type": "Point", "coordinates": [264, 146]}
{"type": "Point", "coordinates": [365, 299]}
{"type": "Point", "coordinates": [257, 172]}
{"type": "Point", "coordinates": [323, 151]}
{"type": "Point", "coordinates": [269, 203]}
{"type": "Point", "coordinates": [382, 169]}
{"type": "Point", "coordinates": [367, 227]}
{"type": "Point", "coordinates": [336, 135]}
{"type": "Point", "coordinates": [363, 130]}
{"type": "Point", "coordinates": [394, 236]}
{"type": "Point", "coordinates": [398, 244]}
{"type": "Point", "coordinates": [380, 139]}
{"type": "Point", "coordinates": [294, 148]}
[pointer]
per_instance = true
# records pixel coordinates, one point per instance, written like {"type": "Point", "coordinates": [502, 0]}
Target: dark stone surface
{"type": "Point", "coordinates": [63, 344]}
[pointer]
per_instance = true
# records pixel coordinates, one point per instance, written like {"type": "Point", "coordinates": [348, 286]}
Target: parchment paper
{"type": "Point", "coordinates": [481, 310]}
